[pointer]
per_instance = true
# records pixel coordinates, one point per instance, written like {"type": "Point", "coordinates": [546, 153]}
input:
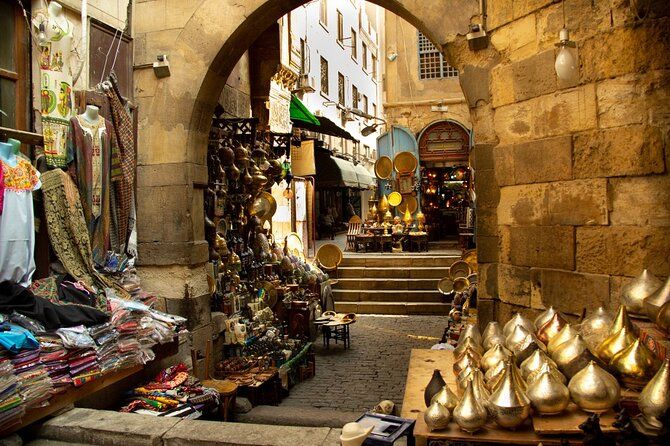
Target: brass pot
{"type": "Point", "coordinates": [544, 317]}
{"type": "Point", "coordinates": [445, 397]}
{"type": "Point", "coordinates": [551, 329]}
{"type": "Point", "coordinates": [614, 343]}
{"type": "Point", "coordinates": [470, 331]}
{"type": "Point", "coordinates": [434, 385]}
{"type": "Point", "coordinates": [534, 362]}
{"type": "Point", "coordinates": [663, 318]}
{"type": "Point", "coordinates": [470, 414]}
{"type": "Point", "coordinates": [572, 356]}
{"type": "Point", "coordinates": [593, 389]}
{"type": "Point", "coordinates": [493, 356]}
{"type": "Point", "coordinates": [635, 365]}
{"type": "Point", "coordinates": [654, 400]}
{"type": "Point", "coordinates": [462, 378]}
{"type": "Point", "coordinates": [517, 335]}
{"type": "Point", "coordinates": [509, 406]}
{"type": "Point", "coordinates": [634, 293]}
{"type": "Point", "coordinates": [547, 368]}
{"type": "Point", "coordinates": [492, 332]}
{"type": "Point", "coordinates": [548, 395]}
{"type": "Point", "coordinates": [622, 319]}
{"type": "Point", "coordinates": [494, 371]}
{"type": "Point", "coordinates": [522, 343]}
{"type": "Point", "coordinates": [653, 303]}
{"type": "Point", "coordinates": [469, 358]}
{"type": "Point", "coordinates": [596, 328]}
{"type": "Point", "coordinates": [518, 319]}
{"type": "Point", "coordinates": [467, 343]}
{"type": "Point", "coordinates": [516, 374]}
{"type": "Point", "coordinates": [564, 335]}
{"type": "Point", "coordinates": [437, 417]}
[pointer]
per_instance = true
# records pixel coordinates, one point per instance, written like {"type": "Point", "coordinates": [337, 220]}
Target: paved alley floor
{"type": "Point", "coordinates": [373, 369]}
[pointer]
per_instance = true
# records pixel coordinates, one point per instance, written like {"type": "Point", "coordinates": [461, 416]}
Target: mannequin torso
{"type": "Point", "coordinates": [91, 114]}
{"type": "Point", "coordinates": [7, 154]}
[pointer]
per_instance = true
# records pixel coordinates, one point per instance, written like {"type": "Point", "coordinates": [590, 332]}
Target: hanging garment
{"type": "Point", "coordinates": [57, 96]}
{"type": "Point", "coordinates": [17, 231]}
{"type": "Point", "coordinates": [67, 230]}
{"type": "Point", "coordinates": [94, 164]}
{"type": "Point", "coordinates": [123, 127]}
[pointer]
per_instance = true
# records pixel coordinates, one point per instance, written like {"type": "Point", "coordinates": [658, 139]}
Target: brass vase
{"type": "Point", "coordinates": [516, 375]}
{"type": "Point", "coordinates": [564, 335]}
{"type": "Point", "coordinates": [548, 395]}
{"type": "Point", "coordinates": [549, 369]}
{"type": "Point", "coordinates": [522, 343]}
{"type": "Point", "coordinates": [653, 303]}
{"type": "Point", "coordinates": [469, 358]}
{"type": "Point", "coordinates": [614, 343]}
{"type": "Point", "coordinates": [494, 371]}
{"type": "Point", "coordinates": [434, 385]}
{"type": "Point", "coordinates": [654, 400]}
{"type": "Point", "coordinates": [572, 356]}
{"type": "Point", "coordinates": [544, 317]}
{"type": "Point", "coordinates": [470, 414]}
{"type": "Point", "coordinates": [634, 293]}
{"type": "Point", "coordinates": [635, 365]}
{"type": "Point", "coordinates": [481, 392]}
{"type": "Point", "coordinates": [593, 389]}
{"type": "Point", "coordinates": [551, 329]}
{"type": "Point", "coordinates": [518, 319]}
{"type": "Point", "coordinates": [493, 356]}
{"type": "Point", "coordinates": [534, 362]}
{"type": "Point", "coordinates": [663, 318]}
{"type": "Point", "coordinates": [596, 327]}
{"type": "Point", "coordinates": [467, 343]}
{"type": "Point", "coordinates": [437, 417]}
{"type": "Point", "coordinates": [492, 335]}
{"type": "Point", "coordinates": [445, 397]}
{"type": "Point", "coordinates": [509, 405]}
{"type": "Point", "coordinates": [470, 331]}
{"type": "Point", "coordinates": [622, 319]}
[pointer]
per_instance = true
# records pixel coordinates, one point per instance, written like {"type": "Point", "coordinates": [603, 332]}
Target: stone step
{"type": "Point", "coordinates": [288, 415]}
{"type": "Point", "coordinates": [381, 272]}
{"type": "Point", "coordinates": [387, 296]}
{"type": "Point", "coordinates": [387, 284]}
{"type": "Point", "coordinates": [399, 308]}
{"type": "Point", "coordinates": [400, 261]}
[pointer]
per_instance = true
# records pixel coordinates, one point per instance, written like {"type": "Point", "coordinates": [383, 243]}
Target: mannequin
{"type": "Point", "coordinates": [91, 114]}
{"type": "Point", "coordinates": [7, 154]}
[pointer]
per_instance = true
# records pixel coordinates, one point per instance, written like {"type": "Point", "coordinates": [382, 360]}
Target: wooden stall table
{"type": "Point", "coordinates": [259, 387]}
{"type": "Point", "coordinates": [418, 242]}
{"type": "Point", "coordinates": [365, 241]}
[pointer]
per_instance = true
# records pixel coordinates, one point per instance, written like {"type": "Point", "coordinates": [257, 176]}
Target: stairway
{"type": "Point", "coordinates": [391, 284]}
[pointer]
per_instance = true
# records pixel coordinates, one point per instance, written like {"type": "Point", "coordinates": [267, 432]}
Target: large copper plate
{"type": "Point", "coordinates": [383, 168]}
{"type": "Point", "coordinates": [408, 201]}
{"type": "Point", "coordinates": [264, 206]}
{"type": "Point", "coordinates": [445, 285]}
{"type": "Point", "coordinates": [394, 199]}
{"type": "Point", "coordinates": [405, 162]}
{"type": "Point", "coordinates": [470, 257]}
{"type": "Point", "coordinates": [459, 269]}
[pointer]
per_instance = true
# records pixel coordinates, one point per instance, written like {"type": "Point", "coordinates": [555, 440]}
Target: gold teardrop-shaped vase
{"type": "Point", "coordinates": [518, 319]}
{"type": "Point", "coordinates": [470, 414]}
{"type": "Point", "coordinates": [493, 356]}
{"type": "Point", "coordinates": [467, 343]}
{"type": "Point", "coordinates": [522, 343]}
{"type": "Point", "coordinates": [551, 329]}
{"type": "Point", "coordinates": [437, 417]}
{"type": "Point", "coordinates": [653, 303]}
{"type": "Point", "coordinates": [622, 319]}
{"type": "Point", "coordinates": [654, 400]}
{"type": "Point", "coordinates": [470, 331]}
{"type": "Point", "coordinates": [463, 377]}
{"type": "Point", "coordinates": [549, 369]}
{"type": "Point", "coordinates": [548, 395]}
{"type": "Point", "coordinates": [516, 336]}
{"type": "Point", "coordinates": [510, 407]}
{"type": "Point", "coordinates": [446, 397]}
{"type": "Point", "coordinates": [536, 360]}
{"type": "Point", "coordinates": [635, 365]}
{"type": "Point", "coordinates": [614, 343]}
{"type": "Point", "coordinates": [494, 371]}
{"type": "Point", "coordinates": [564, 335]}
{"type": "Point", "coordinates": [544, 317]}
{"type": "Point", "coordinates": [516, 375]}
{"type": "Point", "coordinates": [492, 335]}
{"type": "Point", "coordinates": [596, 327]}
{"type": "Point", "coordinates": [469, 358]}
{"type": "Point", "coordinates": [572, 356]}
{"type": "Point", "coordinates": [593, 389]}
{"type": "Point", "coordinates": [634, 293]}
{"type": "Point", "coordinates": [481, 392]}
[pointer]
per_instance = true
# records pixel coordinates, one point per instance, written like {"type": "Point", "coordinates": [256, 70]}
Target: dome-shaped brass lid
{"type": "Point", "coordinates": [634, 293]}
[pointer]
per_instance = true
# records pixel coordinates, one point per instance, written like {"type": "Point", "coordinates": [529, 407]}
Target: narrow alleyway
{"type": "Point", "coordinates": [373, 369]}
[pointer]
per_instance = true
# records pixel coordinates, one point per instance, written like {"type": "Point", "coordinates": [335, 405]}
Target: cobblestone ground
{"type": "Point", "coordinates": [373, 369]}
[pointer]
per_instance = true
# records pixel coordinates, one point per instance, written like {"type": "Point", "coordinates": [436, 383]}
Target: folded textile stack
{"type": "Point", "coordinates": [107, 348]}
{"type": "Point", "coordinates": [54, 357]}
{"type": "Point", "coordinates": [11, 403]}
{"type": "Point", "coordinates": [82, 359]}
{"type": "Point", "coordinates": [36, 388]}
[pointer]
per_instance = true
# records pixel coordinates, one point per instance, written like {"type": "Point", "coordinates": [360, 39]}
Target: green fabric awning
{"type": "Point", "coordinates": [300, 113]}
{"type": "Point", "coordinates": [333, 172]}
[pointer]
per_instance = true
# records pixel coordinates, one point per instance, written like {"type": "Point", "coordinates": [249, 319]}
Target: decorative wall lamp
{"type": "Point", "coordinates": [566, 66]}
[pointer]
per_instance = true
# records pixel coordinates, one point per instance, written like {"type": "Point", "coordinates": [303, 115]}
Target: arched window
{"type": "Point", "coordinates": [444, 141]}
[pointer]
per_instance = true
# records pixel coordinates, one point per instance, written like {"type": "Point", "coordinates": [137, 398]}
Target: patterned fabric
{"type": "Point", "coordinates": [22, 177]}
{"type": "Point", "coordinates": [2, 189]}
{"type": "Point", "coordinates": [126, 143]}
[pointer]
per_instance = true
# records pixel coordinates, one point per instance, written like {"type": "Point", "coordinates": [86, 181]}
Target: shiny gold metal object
{"type": "Point", "coordinates": [551, 329]}
{"type": "Point", "coordinates": [634, 293]}
{"type": "Point", "coordinates": [516, 375]}
{"type": "Point", "coordinates": [596, 327]}
{"type": "Point", "coordinates": [564, 335]}
{"type": "Point", "coordinates": [544, 317]}
{"type": "Point", "coordinates": [522, 343]}
{"type": "Point", "coordinates": [494, 371]}
{"type": "Point", "coordinates": [470, 414]}
{"type": "Point", "coordinates": [593, 389]}
{"type": "Point", "coordinates": [653, 303]}
{"type": "Point", "coordinates": [622, 319]}
{"type": "Point", "coordinates": [384, 168]}
{"type": "Point", "coordinates": [654, 400]}
{"type": "Point", "coordinates": [462, 378]}
{"type": "Point", "coordinates": [663, 318]}
{"type": "Point", "coordinates": [492, 335]}
{"type": "Point", "coordinates": [464, 345]}
{"type": "Point", "coordinates": [572, 356]}
{"type": "Point", "coordinates": [614, 343]}
{"type": "Point", "coordinates": [517, 335]}
{"type": "Point", "coordinates": [469, 358]}
{"type": "Point", "coordinates": [405, 162]}
{"type": "Point", "coordinates": [395, 198]}
{"type": "Point", "coordinates": [470, 331]}
{"type": "Point", "coordinates": [481, 391]}
{"type": "Point", "coordinates": [437, 417]}
{"type": "Point", "coordinates": [494, 355]}
{"type": "Point", "coordinates": [445, 397]}
{"type": "Point", "coordinates": [509, 405]}
{"type": "Point", "coordinates": [635, 365]}
{"type": "Point", "coordinates": [518, 319]}
{"type": "Point", "coordinates": [534, 362]}
{"type": "Point", "coordinates": [547, 368]}
{"type": "Point", "coordinates": [548, 395]}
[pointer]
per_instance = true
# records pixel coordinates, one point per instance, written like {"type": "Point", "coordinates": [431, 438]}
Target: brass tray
{"type": "Point", "coordinates": [394, 199]}
{"type": "Point", "coordinates": [264, 206]}
{"type": "Point", "coordinates": [405, 162]}
{"type": "Point", "coordinates": [408, 201]}
{"type": "Point", "coordinates": [383, 168]}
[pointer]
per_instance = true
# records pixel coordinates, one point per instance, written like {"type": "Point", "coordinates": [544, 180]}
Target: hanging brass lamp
{"type": "Point", "coordinates": [635, 365]}
{"type": "Point", "coordinates": [593, 389]}
{"type": "Point", "coordinates": [634, 293]}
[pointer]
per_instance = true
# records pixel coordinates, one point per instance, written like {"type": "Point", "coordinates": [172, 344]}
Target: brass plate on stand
{"type": "Point", "coordinates": [408, 201]}
{"type": "Point", "coordinates": [383, 168]}
{"type": "Point", "coordinates": [405, 162]}
{"type": "Point", "coordinates": [394, 199]}
{"type": "Point", "coordinates": [264, 206]}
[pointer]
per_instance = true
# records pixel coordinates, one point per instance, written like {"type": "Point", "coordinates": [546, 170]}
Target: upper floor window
{"type": "Point", "coordinates": [354, 97]}
{"type": "Point", "coordinates": [324, 76]}
{"type": "Point", "coordinates": [303, 56]}
{"type": "Point", "coordinates": [374, 109]}
{"type": "Point", "coordinates": [431, 61]}
{"type": "Point", "coordinates": [365, 104]}
{"type": "Point", "coordinates": [340, 89]}
{"type": "Point", "coordinates": [364, 55]}
{"type": "Point", "coordinates": [323, 12]}
{"type": "Point", "coordinates": [354, 45]}
{"type": "Point", "coordinates": [340, 27]}
{"type": "Point", "coordinates": [373, 60]}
